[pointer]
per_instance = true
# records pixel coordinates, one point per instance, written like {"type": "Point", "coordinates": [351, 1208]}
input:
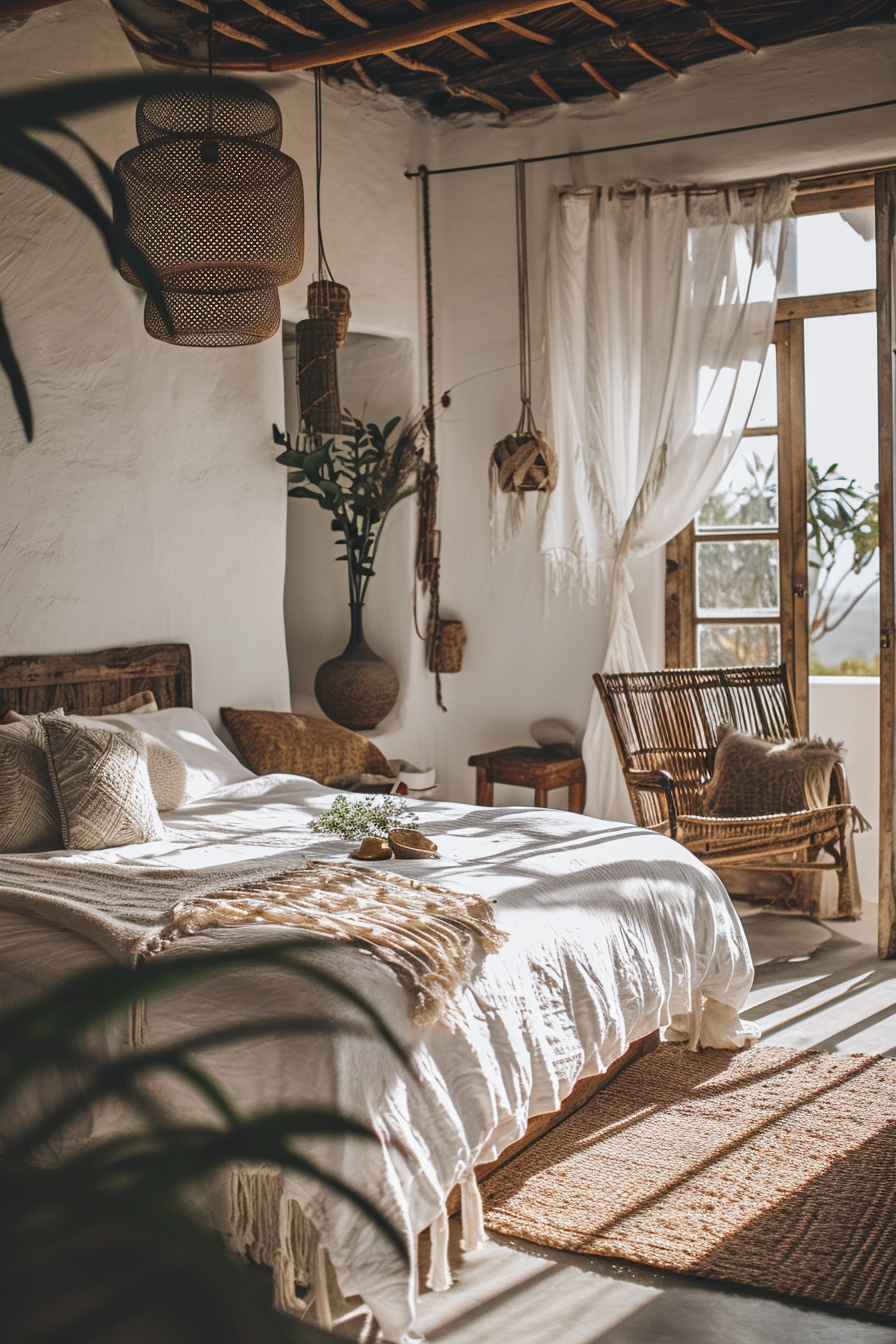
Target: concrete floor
{"type": "Point", "coordinates": [816, 985]}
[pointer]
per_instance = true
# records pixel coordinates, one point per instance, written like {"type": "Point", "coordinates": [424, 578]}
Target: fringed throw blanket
{"type": "Point", "coordinates": [424, 933]}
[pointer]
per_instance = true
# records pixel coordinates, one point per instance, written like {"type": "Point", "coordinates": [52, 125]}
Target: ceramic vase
{"type": "Point", "coordinates": [359, 688]}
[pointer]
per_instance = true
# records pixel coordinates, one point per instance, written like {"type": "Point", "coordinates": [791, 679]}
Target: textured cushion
{"type": "Point", "coordinates": [29, 817]}
{"type": "Point", "coordinates": [141, 702]}
{"type": "Point", "coordinates": [210, 766]}
{"type": "Point", "coordinates": [167, 773]}
{"type": "Point", "coordinates": [753, 777]}
{"type": "Point", "coordinates": [295, 744]}
{"type": "Point", "coordinates": [12, 717]}
{"type": "Point", "coordinates": [102, 788]}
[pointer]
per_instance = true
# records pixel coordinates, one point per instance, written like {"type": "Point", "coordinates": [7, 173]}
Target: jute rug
{"type": "Point", "coordinates": [772, 1167]}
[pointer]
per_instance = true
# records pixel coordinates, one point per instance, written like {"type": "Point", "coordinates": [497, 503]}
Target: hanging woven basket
{"type": "Point", "coordinates": [524, 461]}
{"type": "Point", "coordinates": [327, 298]}
{"type": "Point", "coordinates": [446, 646]}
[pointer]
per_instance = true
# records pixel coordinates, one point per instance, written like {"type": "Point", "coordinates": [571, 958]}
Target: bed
{"type": "Point", "coordinates": [615, 936]}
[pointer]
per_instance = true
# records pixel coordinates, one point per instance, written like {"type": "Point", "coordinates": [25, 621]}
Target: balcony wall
{"type": "Point", "coordinates": [847, 710]}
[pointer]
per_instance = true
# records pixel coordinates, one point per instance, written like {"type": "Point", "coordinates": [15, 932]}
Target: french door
{"type": "Point", "coordinates": [738, 577]}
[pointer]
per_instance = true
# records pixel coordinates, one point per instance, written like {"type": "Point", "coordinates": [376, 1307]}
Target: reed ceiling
{"type": "Point", "coordinates": [490, 55]}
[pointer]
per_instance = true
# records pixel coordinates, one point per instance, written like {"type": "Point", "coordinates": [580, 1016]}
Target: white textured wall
{"type": "Point", "coordinates": [149, 506]}
{"type": "Point", "coordinates": [847, 709]}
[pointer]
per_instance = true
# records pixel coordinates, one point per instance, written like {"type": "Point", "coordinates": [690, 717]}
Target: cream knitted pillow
{"type": "Point", "coordinates": [29, 817]}
{"type": "Point", "coordinates": [102, 787]}
{"type": "Point", "coordinates": [167, 773]}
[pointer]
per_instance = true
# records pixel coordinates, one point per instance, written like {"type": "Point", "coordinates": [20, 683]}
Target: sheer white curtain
{"type": "Point", "coordinates": [659, 312]}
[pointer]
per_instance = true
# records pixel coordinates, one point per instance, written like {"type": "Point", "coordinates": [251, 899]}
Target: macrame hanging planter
{"type": "Point", "coordinates": [326, 327]}
{"type": "Point", "coordinates": [524, 461]}
{"type": "Point", "coordinates": [217, 210]}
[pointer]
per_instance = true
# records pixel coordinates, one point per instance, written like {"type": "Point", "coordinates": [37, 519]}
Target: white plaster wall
{"type": "Point", "coordinates": [847, 709]}
{"type": "Point", "coordinates": [149, 506]}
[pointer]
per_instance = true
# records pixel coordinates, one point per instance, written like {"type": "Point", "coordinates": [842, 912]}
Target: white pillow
{"type": "Point", "coordinates": [209, 764]}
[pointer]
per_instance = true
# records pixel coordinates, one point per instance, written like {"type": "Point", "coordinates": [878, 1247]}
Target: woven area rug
{"type": "Point", "coordinates": [771, 1167]}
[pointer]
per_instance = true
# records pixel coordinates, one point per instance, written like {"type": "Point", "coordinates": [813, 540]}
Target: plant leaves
{"type": "Point", "coordinates": [10, 366]}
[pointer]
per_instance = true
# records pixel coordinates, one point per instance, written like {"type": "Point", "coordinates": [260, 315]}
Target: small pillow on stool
{"type": "Point", "coordinates": [555, 736]}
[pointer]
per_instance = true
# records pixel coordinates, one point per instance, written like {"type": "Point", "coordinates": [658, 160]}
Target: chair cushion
{"type": "Point", "coordinates": [297, 744]}
{"type": "Point", "coordinates": [755, 777]}
{"type": "Point", "coordinates": [101, 782]}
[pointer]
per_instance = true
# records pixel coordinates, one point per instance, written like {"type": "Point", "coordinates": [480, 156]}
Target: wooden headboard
{"type": "Point", "coordinates": [83, 682]}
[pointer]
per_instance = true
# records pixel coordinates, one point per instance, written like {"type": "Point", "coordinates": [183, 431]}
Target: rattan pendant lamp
{"type": "Point", "coordinates": [217, 210]}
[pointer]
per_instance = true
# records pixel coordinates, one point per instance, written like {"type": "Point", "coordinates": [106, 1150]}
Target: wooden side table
{"type": "Point", "coordinates": [533, 768]}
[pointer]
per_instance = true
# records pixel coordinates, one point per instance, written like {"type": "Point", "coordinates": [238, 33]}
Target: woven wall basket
{"type": "Point", "coordinates": [446, 648]}
{"type": "Point", "coordinates": [327, 298]}
{"type": "Point", "coordinates": [525, 462]}
{"type": "Point", "coordinates": [316, 375]}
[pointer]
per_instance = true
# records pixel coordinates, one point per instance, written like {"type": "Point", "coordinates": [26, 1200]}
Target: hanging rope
{"type": "Point", "coordinates": [522, 282]}
{"type": "Point", "coordinates": [523, 461]}
{"type": "Point", "coordinates": [428, 537]}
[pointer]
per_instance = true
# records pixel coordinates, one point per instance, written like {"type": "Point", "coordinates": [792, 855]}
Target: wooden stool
{"type": "Point", "coordinates": [533, 768]}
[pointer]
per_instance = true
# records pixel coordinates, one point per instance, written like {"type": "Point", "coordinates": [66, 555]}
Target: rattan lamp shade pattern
{"type": "Point", "coordinates": [217, 210]}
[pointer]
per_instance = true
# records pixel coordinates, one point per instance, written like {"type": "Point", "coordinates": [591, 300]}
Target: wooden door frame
{"type": "Point", "coordinates": [885, 229]}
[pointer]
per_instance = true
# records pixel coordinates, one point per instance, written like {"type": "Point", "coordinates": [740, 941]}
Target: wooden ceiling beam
{"type": "Point", "coordinates": [413, 34]}
{"type": "Point", "coordinates": [505, 74]}
{"type": "Point", "coordinates": [455, 37]}
{"type": "Point", "coordinates": [598, 14]}
{"type": "Point", "coordinates": [720, 28]}
{"type": "Point", "coordinates": [541, 83]}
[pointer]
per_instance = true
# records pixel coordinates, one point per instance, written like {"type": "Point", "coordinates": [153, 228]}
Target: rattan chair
{"type": "Point", "coordinates": [664, 724]}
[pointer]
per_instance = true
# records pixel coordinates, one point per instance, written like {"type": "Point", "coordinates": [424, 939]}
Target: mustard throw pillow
{"type": "Point", "coordinates": [754, 777]}
{"type": "Point", "coordinates": [298, 744]}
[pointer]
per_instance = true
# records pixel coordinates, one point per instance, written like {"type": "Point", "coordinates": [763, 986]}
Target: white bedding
{"type": "Point", "coordinates": [614, 932]}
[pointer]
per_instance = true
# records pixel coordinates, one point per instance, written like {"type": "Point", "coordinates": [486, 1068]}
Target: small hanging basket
{"type": "Point", "coordinates": [524, 461]}
{"type": "Point", "coordinates": [329, 299]}
{"type": "Point", "coordinates": [446, 646]}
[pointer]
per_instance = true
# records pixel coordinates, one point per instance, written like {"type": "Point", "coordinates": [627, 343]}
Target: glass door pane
{"type": "Point", "coordinates": [842, 469]}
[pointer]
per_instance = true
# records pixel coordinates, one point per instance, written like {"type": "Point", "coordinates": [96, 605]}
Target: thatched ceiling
{"type": "Point", "coordinates": [499, 55]}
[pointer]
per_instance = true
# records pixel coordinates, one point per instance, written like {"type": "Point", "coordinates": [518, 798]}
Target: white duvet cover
{"type": "Point", "coordinates": [614, 932]}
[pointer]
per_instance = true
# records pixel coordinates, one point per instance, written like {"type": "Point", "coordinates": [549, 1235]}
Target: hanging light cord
{"type": "Point", "coordinates": [208, 40]}
{"type": "Point", "coordinates": [323, 266]}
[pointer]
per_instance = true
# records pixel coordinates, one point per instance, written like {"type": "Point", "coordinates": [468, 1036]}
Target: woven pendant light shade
{"type": "Point", "coordinates": [217, 211]}
{"type": "Point", "coordinates": [216, 319]}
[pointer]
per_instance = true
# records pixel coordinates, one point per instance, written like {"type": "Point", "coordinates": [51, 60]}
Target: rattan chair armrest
{"type": "Point", "coordinates": [657, 781]}
{"type": "Point", "coordinates": [839, 789]}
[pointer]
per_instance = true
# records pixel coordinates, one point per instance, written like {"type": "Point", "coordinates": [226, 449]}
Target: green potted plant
{"type": "Point", "coordinates": [358, 477]}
